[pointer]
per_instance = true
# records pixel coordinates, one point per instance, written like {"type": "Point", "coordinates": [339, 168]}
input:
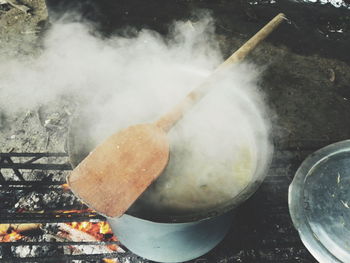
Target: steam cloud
{"type": "Point", "coordinates": [219, 149]}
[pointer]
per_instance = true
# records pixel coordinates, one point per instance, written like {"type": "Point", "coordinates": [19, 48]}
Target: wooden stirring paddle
{"type": "Point", "coordinates": [119, 170]}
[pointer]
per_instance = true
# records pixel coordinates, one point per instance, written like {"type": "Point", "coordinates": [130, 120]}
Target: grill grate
{"type": "Point", "coordinates": [11, 189]}
{"type": "Point", "coordinates": [13, 184]}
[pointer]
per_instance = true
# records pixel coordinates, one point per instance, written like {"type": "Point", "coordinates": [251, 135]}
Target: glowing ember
{"type": "Point", "coordinates": [75, 211]}
{"type": "Point", "coordinates": [13, 232]}
{"type": "Point", "coordinates": [12, 236]}
{"type": "Point", "coordinates": [65, 186]}
{"type": "Point", "coordinates": [105, 228]}
{"type": "Point", "coordinates": [99, 230]}
{"type": "Point", "coordinates": [110, 260]}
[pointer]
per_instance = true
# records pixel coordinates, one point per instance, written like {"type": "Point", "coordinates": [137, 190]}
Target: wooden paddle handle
{"type": "Point", "coordinates": [170, 118]}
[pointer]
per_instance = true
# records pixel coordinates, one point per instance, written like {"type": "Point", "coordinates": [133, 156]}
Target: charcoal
{"type": "Point", "coordinates": [36, 201]}
{"type": "Point", "coordinates": [34, 251]}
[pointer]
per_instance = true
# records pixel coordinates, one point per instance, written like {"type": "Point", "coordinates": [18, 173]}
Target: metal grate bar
{"type": "Point", "coordinates": [29, 183]}
{"type": "Point", "coordinates": [30, 187]}
{"type": "Point", "coordinates": [35, 185]}
{"type": "Point", "coordinates": [38, 187]}
{"type": "Point", "coordinates": [33, 159]}
{"type": "Point", "coordinates": [14, 154]}
{"type": "Point", "coordinates": [49, 218]}
{"type": "Point", "coordinates": [38, 166]}
{"type": "Point", "coordinates": [61, 243]}
{"type": "Point", "coordinates": [62, 258]}
{"type": "Point", "coordinates": [7, 163]}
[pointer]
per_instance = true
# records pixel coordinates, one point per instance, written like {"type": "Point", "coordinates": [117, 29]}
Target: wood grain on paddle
{"type": "Point", "coordinates": [112, 176]}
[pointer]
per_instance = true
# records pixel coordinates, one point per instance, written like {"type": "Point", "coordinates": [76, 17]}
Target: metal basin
{"type": "Point", "coordinates": [319, 203]}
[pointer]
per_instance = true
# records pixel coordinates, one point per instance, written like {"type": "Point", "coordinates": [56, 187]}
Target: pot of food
{"type": "Point", "coordinates": [188, 210]}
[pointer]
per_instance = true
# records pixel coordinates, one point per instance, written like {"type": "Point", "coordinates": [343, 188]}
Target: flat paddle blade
{"type": "Point", "coordinates": [120, 169]}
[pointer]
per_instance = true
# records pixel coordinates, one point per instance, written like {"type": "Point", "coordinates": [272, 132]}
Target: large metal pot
{"type": "Point", "coordinates": [161, 239]}
{"type": "Point", "coordinates": [166, 237]}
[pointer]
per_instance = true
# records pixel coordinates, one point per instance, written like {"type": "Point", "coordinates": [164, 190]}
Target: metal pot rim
{"type": "Point", "coordinates": [245, 193]}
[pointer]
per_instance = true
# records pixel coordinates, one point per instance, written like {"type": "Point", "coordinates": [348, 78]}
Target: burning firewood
{"type": "Point", "coordinates": [5, 228]}
{"type": "Point", "coordinates": [12, 232]}
{"type": "Point", "coordinates": [77, 234]}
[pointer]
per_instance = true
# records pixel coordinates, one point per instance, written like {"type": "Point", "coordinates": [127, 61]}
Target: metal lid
{"type": "Point", "coordinates": [319, 203]}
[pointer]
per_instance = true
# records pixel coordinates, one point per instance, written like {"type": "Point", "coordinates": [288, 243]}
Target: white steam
{"type": "Point", "coordinates": [218, 149]}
